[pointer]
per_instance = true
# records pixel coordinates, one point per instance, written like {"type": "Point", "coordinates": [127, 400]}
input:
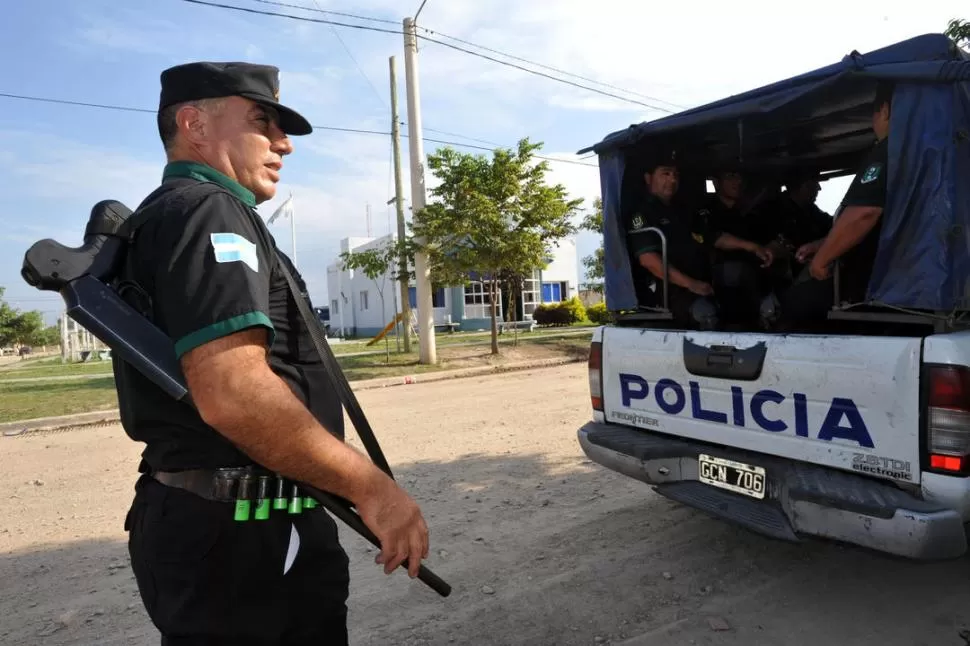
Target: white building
{"type": "Point", "coordinates": [355, 303]}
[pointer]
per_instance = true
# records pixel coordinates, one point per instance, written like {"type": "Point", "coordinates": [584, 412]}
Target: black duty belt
{"type": "Point", "coordinates": [252, 489]}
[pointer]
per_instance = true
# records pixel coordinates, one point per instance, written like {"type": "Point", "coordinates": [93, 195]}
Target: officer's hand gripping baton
{"type": "Point", "coordinates": [81, 275]}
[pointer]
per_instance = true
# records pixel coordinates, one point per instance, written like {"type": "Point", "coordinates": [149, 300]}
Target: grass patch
{"type": "Point", "coordinates": [55, 369]}
{"type": "Point", "coordinates": [51, 398]}
{"type": "Point", "coordinates": [374, 366]}
{"type": "Point", "coordinates": [567, 345]}
{"type": "Point", "coordinates": [443, 339]}
{"type": "Point", "coordinates": [30, 400]}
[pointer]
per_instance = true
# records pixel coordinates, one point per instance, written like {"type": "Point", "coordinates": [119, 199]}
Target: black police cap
{"type": "Point", "coordinates": [798, 176]}
{"type": "Point", "coordinates": [208, 80]}
{"type": "Point", "coordinates": [660, 156]}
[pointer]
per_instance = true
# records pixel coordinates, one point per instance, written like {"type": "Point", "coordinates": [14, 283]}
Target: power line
{"type": "Point", "coordinates": [329, 11]}
{"type": "Point", "coordinates": [351, 55]}
{"type": "Point", "coordinates": [483, 47]}
{"type": "Point", "coordinates": [419, 9]}
{"type": "Point", "coordinates": [542, 74]}
{"type": "Point", "coordinates": [436, 41]}
{"type": "Point", "coordinates": [303, 18]}
{"type": "Point", "coordinates": [549, 67]}
{"type": "Point", "coordinates": [362, 131]}
{"type": "Point", "coordinates": [79, 103]}
{"type": "Point", "coordinates": [149, 111]}
{"type": "Point", "coordinates": [364, 74]}
{"type": "Point", "coordinates": [547, 158]}
{"type": "Point", "coordinates": [455, 134]}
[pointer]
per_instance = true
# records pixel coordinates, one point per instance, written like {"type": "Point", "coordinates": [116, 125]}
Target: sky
{"type": "Point", "coordinates": [58, 160]}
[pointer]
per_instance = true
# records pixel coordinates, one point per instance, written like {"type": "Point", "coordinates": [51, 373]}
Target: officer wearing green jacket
{"type": "Point", "coordinates": [203, 267]}
{"type": "Point", "coordinates": [854, 237]}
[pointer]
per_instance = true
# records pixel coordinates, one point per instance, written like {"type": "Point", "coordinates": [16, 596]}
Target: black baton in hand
{"type": "Point", "coordinates": [342, 510]}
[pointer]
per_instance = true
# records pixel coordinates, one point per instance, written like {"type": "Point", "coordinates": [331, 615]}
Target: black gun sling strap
{"type": "Point", "coordinates": [340, 383]}
{"type": "Point", "coordinates": [190, 193]}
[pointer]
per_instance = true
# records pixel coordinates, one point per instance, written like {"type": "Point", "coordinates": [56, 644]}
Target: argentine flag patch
{"type": "Point", "coordinates": [232, 247]}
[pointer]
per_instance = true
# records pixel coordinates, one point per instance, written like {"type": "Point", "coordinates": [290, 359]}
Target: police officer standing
{"type": "Point", "coordinates": [204, 268]}
{"type": "Point", "coordinates": [854, 237]}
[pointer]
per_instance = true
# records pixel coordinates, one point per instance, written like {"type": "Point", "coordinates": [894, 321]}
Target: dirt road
{"type": "Point", "coordinates": [541, 547]}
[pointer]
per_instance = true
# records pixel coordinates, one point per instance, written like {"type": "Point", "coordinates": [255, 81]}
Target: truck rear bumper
{"type": "Point", "coordinates": [799, 499]}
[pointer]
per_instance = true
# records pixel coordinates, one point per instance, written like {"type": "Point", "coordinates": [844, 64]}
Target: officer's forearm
{"type": "Point", "coordinates": [728, 242]}
{"type": "Point", "coordinates": [778, 249]}
{"type": "Point", "coordinates": [850, 227]}
{"type": "Point", "coordinates": [653, 263]}
{"type": "Point", "coordinates": [239, 395]}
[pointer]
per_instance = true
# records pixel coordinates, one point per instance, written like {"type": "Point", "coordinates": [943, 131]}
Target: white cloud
{"type": "Point", "coordinates": [149, 38]}
{"type": "Point", "coordinates": [55, 168]}
{"type": "Point", "coordinates": [135, 30]}
{"type": "Point", "coordinates": [581, 181]}
{"type": "Point", "coordinates": [316, 90]}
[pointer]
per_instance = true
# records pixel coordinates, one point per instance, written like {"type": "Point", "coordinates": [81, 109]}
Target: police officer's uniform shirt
{"type": "Point", "coordinates": [689, 238]}
{"type": "Point", "coordinates": [729, 219]}
{"type": "Point", "coordinates": [793, 225]}
{"type": "Point", "coordinates": [207, 261]}
{"type": "Point", "coordinates": [868, 188]}
{"type": "Point", "coordinates": [799, 225]}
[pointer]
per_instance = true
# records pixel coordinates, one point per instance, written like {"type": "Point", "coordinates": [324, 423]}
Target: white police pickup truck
{"type": "Point", "coordinates": [859, 432]}
{"type": "Point", "coordinates": [866, 444]}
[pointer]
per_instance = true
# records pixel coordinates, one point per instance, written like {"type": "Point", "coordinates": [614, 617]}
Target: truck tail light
{"type": "Point", "coordinates": [595, 365]}
{"type": "Point", "coordinates": [948, 419]}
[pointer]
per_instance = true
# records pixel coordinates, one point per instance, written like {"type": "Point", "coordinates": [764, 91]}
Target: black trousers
{"type": "Point", "coordinates": [690, 310]}
{"type": "Point", "coordinates": [739, 286]}
{"type": "Point", "coordinates": [207, 579]}
{"type": "Point", "coordinates": [808, 300]}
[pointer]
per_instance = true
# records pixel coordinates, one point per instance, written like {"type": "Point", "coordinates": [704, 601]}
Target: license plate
{"type": "Point", "coordinates": [733, 476]}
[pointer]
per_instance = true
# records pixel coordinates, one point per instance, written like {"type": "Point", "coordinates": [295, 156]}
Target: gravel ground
{"type": "Point", "coordinates": [541, 546]}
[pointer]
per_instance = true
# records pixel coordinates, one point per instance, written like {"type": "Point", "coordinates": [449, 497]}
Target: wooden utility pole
{"type": "Point", "coordinates": [422, 273]}
{"type": "Point", "coordinates": [405, 322]}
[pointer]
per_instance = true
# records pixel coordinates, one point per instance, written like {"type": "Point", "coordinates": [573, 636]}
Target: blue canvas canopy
{"type": "Point", "coordinates": [821, 121]}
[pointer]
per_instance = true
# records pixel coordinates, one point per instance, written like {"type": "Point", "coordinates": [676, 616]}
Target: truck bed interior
{"type": "Point", "coordinates": [821, 122]}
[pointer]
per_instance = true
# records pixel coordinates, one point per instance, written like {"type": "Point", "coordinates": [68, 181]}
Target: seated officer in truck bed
{"type": "Point", "coordinates": [854, 236]}
{"type": "Point", "coordinates": [740, 279]}
{"type": "Point", "coordinates": [796, 225]}
{"type": "Point", "coordinates": [690, 243]}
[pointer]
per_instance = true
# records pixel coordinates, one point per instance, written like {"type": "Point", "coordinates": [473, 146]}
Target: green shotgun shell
{"type": "Point", "coordinates": [279, 502]}
{"type": "Point", "coordinates": [243, 498]}
{"type": "Point", "coordinates": [296, 502]}
{"type": "Point", "coordinates": [262, 499]}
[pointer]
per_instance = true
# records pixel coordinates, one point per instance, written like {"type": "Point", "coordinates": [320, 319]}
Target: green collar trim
{"type": "Point", "coordinates": [204, 173]}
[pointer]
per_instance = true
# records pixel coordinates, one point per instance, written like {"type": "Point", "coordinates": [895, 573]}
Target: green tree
{"type": "Point", "coordinates": [594, 263]}
{"type": "Point", "coordinates": [50, 335]}
{"type": "Point", "coordinates": [7, 316]}
{"type": "Point", "coordinates": [376, 264]}
{"type": "Point", "coordinates": [959, 31]}
{"type": "Point", "coordinates": [28, 327]}
{"type": "Point", "coordinates": [491, 217]}
{"type": "Point", "coordinates": [18, 327]}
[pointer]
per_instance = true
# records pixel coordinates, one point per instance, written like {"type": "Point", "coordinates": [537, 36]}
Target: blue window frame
{"type": "Point", "coordinates": [551, 292]}
{"type": "Point", "coordinates": [437, 297]}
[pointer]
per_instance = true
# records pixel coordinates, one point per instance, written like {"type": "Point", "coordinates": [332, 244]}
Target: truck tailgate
{"type": "Point", "coordinates": [846, 402]}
